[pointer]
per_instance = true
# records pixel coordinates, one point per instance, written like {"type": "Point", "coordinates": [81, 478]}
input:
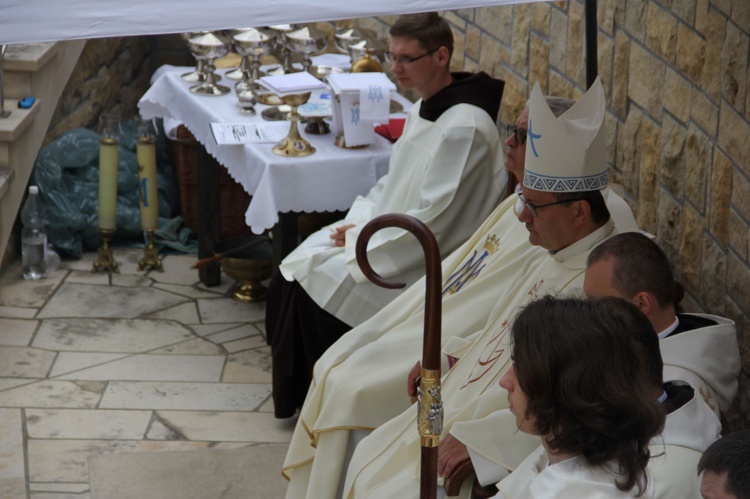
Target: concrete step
{"type": "Point", "coordinates": [20, 62]}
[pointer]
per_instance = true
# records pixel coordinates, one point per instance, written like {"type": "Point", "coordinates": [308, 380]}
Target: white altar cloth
{"type": "Point", "coordinates": [328, 180]}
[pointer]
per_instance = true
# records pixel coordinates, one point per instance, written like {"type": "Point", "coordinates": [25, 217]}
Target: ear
{"type": "Point", "coordinates": [582, 212]}
{"type": "Point", "coordinates": [443, 56]}
{"type": "Point", "coordinates": [645, 302]}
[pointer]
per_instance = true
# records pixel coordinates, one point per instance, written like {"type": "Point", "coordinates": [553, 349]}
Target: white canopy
{"type": "Point", "coordinates": [25, 21]}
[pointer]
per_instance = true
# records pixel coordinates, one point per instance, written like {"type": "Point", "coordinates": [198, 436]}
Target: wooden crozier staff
{"type": "Point", "coordinates": [430, 419]}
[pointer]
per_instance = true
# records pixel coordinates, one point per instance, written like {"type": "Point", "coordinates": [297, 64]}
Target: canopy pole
{"type": "Point", "coordinates": [592, 51]}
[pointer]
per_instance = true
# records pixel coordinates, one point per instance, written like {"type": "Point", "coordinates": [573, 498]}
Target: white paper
{"type": "Point", "coordinates": [292, 83]}
{"type": "Point", "coordinates": [356, 131]}
{"type": "Point", "coordinates": [375, 103]}
{"type": "Point", "coordinates": [248, 132]}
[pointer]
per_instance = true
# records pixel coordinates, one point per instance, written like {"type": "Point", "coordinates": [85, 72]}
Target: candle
{"type": "Point", "coordinates": [146, 152]}
{"type": "Point", "coordinates": [108, 157]}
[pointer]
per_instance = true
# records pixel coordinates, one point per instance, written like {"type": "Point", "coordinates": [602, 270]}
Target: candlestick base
{"type": "Point", "coordinates": [150, 255]}
{"type": "Point", "coordinates": [105, 259]}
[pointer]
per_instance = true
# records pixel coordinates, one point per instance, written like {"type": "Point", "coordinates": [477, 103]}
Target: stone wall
{"type": "Point", "coordinates": [111, 75]}
{"type": "Point", "coordinates": [677, 82]}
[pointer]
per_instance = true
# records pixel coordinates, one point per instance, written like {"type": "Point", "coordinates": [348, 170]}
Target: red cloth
{"type": "Point", "coordinates": [393, 130]}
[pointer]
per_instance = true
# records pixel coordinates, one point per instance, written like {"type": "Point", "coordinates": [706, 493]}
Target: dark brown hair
{"type": "Point", "coordinates": [429, 29]}
{"type": "Point", "coordinates": [599, 211]}
{"type": "Point", "coordinates": [730, 453]}
{"type": "Point", "coordinates": [640, 265]}
{"type": "Point", "coordinates": [582, 366]}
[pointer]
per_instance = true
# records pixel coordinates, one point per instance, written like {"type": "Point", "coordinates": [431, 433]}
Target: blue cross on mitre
{"type": "Point", "coordinates": [532, 136]}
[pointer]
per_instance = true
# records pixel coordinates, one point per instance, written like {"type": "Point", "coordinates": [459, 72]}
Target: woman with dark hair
{"type": "Point", "coordinates": [580, 381]}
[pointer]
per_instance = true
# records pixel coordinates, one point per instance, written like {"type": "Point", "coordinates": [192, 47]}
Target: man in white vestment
{"type": "Point", "coordinates": [358, 383]}
{"type": "Point", "coordinates": [445, 170]}
{"type": "Point", "coordinates": [564, 213]}
{"type": "Point", "coordinates": [697, 348]}
{"type": "Point", "coordinates": [725, 467]}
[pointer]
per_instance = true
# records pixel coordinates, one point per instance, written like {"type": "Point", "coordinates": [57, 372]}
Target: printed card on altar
{"type": "Point", "coordinates": [248, 132]}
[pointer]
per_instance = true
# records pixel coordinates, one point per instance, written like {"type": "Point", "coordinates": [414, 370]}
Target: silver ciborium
{"type": "Point", "coordinates": [307, 41]}
{"type": "Point", "coordinates": [281, 49]}
{"type": "Point", "coordinates": [251, 44]}
{"type": "Point", "coordinates": [199, 74]}
{"type": "Point", "coordinates": [208, 47]}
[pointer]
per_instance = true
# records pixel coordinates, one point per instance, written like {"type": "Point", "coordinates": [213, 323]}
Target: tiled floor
{"type": "Point", "coordinates": [140, 361]}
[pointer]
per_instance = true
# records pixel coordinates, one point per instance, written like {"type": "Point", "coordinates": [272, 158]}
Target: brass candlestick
{"type": "Point", "coordinates": [105, 259]}
{"type": "Point", "coordinates": [150, 255]}
{"type": "Point", "coordinates": [293, 144]}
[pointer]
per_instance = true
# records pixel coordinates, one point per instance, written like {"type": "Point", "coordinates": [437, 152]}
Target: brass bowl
{"type": "Point", "coordinates": [248, 267]}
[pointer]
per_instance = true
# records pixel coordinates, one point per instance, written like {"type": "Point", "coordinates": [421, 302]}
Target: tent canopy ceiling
{"type": "Point", "coordinates": [52, 20]}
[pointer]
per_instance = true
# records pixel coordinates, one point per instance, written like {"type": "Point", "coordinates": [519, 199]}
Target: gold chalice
{"type": "Point", "coordinates": [293, 145]}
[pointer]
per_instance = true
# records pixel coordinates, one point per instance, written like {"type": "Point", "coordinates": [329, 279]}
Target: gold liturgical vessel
{"type": "Point", "coordinates": [294, 145]}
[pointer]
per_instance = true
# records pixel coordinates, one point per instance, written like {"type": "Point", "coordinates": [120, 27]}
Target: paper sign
{"type": "Point", "coordinates": [248, 132]}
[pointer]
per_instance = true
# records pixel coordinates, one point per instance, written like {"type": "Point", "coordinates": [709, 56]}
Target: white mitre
{"type": "Point", "coordinates": [569, 153]}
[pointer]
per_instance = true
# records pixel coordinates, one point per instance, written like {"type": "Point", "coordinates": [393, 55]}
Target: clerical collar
{"type": "Point", "coordinates": [670, 329]}
{"type": "Point", "coordinates": [586, 243]}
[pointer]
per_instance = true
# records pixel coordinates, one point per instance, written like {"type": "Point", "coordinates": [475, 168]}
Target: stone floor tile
{"type": "Point", "coordinates": [73, 488]}
{"type": "Point", "coordinates": [250, 366]}
{"type": "Point", "coordinates": [206, 329]}
{"type": "Point", "coordinates": [183, 396]}
{"type": "Point", "coordinates": [16, 332]}
{"type": "Point", "coordinates": [261, 327]}
{"type": "Point", "coordinates": [86, 300]}
{"type": "Point", "coordinates": [196, 368]}
{"type": "Point", "coordinates": [236, 333]}
{"type": "Point", "coordinates": [86, 262]}
{"type": "Point", "coordinates": [18, 312]}
{"type": "Point", "coordinates": [227, 426]}
{"type": "Point", "coordinates": [88, 277]}
{"type": "Point", "coordinates": [67, 362]}
{"type": "Point", "coordinates": [160, 431]}
{"type": "Point", "coordinates": [244, 344]}
{"type": "Point", "coordinates": [131, 281]}
{"type": "Point", "coordinates": [6, 383]}
{"type": "Point", "coordinates": [188, 291]}
{"type": "Point", "coordinates": [223, 288]}
{"type": "Point", "coordinates": [92, 424]}
{"type": "Point", "coordinates": [267, 405]}
{"type": "Point", "coordinates": [185, 313]}
{"type": "Point", "coordinates": [11, 447]}
{"type": "Point", "coordinates": [67, 460]}
{"type": "Point", "coordinates": [17, 292]}
{"type": "Point", "coordinates": [196, 346]}
{"type": "Point", "coordinates": [51, 393]}
{"type": "Point", "coordinates": [13, 488]}
{"type": "Point", "coordinates": [109, 335]}
{"type": "Point", "coordinates": [24, 362]}
{"type": "Point", "coordinates": [177, 271]}
{"type": "Point", "coordinates": [227, 310]}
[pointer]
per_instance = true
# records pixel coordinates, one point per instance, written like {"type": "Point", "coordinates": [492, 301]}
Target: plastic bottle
{"type": "Point", "coordinates": [33, 237]}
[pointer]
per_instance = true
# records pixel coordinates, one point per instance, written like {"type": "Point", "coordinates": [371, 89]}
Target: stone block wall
{"type": "Point", "coordinates": [677, 80]}
{"type": "Point", "coordinates": [111, 75]}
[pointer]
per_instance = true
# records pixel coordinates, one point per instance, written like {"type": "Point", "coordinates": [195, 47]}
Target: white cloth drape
{"type": "Point", "coordinates": [51, 20]}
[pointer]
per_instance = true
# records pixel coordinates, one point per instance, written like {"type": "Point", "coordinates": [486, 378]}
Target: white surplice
{"type": "Point", "coordinates": [448, 173]}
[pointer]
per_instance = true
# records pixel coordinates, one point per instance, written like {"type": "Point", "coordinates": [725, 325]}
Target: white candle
{"type": "Point", "coordinates": [108, 157]}
{"type": "Point", "coordinates": [146, 152]}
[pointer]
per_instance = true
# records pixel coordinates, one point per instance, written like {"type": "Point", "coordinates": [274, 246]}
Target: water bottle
{"type": "Point", "coordinates": [33, 237]}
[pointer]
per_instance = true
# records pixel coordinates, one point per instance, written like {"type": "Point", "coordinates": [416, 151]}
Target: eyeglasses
{"type": "Point", "coordinates": [392, 58]}
{"type": "Point", "coordinates": [519, 134]}
{"type": "Point", "coordinates": [534, 208]}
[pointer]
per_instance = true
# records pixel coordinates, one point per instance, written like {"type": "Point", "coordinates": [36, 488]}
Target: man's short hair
{"type": "Point", "coordinates": [730, 453]}
{"type": "Point", "coordinates": [429, 29]}
{"type": "Point", "coordinates": [640, 265]}
{"type": "Point", "coordinates": [599, 211]}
